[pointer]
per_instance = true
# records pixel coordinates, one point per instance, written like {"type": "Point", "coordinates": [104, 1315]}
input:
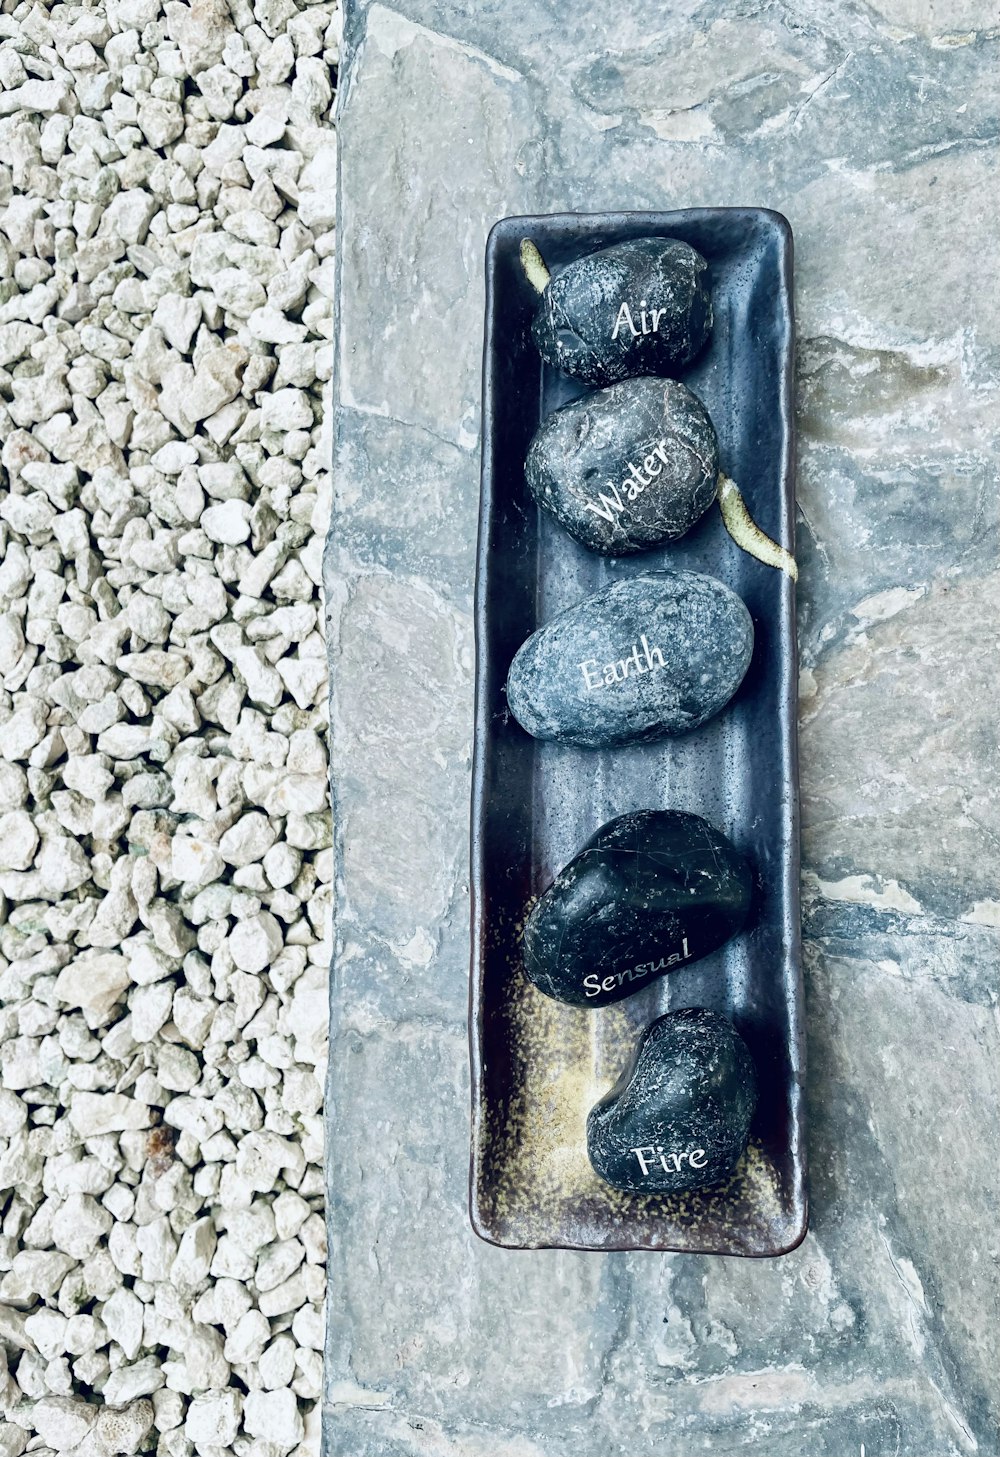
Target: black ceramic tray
{"type": "Point", "coordinates": [537, 1065]}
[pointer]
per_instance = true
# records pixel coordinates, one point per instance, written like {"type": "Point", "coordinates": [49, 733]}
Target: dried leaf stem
{"type": "Point", "coordinates": [747, 534]}
{"type": "Point", "coordinates": [534, 266]}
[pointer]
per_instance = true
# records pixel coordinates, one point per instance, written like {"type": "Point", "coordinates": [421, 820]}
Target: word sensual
{"type": "Point", "coordinates": [593, 984]}
{"type": "Point", "coordinates": [632, 486]}
{"type": "Point", "coordinates": [596, 676]}
{"type": "Point", "coordinates": [648, 323]}
{"type": "Point", "coordinates": [671, 1163]}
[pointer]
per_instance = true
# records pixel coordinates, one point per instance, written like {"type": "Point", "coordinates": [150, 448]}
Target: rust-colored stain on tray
{"type": "Point", "coordinates": [539, 1066]}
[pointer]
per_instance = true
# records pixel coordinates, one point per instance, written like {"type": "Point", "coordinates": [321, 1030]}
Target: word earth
{"type": "Point", "coordinates": [618, 672]}
{"type": "Point", "coordinates": [593, 985]}
{"type": "Point", "coordinates": [632, 486]}
{"type": "Point", "coordinates": [649, 323]}
{"type": "Point", "coordinates": [671, 1163]}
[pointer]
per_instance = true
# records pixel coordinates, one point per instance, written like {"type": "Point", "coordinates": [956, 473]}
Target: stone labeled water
{"type": "Point", "coordinates": [626, 468]}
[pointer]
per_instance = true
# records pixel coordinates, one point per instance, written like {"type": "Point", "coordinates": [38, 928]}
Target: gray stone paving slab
{"type": "Point", "coordinates": [875, 129]}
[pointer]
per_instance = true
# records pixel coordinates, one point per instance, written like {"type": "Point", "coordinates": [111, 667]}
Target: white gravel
{"type": "Point", "coordinates": [167, 215]}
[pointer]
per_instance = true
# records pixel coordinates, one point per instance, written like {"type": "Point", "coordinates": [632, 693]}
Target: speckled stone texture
{"type": "Point", "coordinates": [639, 307]}
{"type": "Point", "coordinates": [874, 129]}
{"type": "Point", "coordinates": [648, 894]}
{"type": "Point", "coordinates": [628, 467]}
{"type": "Point", "coordinates": [679, 1115]}
{"type": "Point", "coordinates": [658, 653]}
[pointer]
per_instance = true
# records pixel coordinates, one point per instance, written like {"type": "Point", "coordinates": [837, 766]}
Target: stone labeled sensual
{"type": "Point", "coordinates": [679, 1116]}
{"type": "Point", "coordinates": [640, 307]}
{"type": "Point", "coordinates": [655, 654]}
{"type": "Point", "coordinates": [626, 468]}
{"type": "Point", "coordinates": [649, 893]}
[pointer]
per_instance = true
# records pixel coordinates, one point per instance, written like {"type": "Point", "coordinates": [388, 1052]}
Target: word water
{"type": "Point", "coordinates": [612, 673]}
{"type": "Point", "coordinates": [671, 1163]}
{"type": "Point", "coordinates": [594, 985]}
{"type": "Point", "coordinates": [632, 486]}
{"type": "Point", "coordinates": [626, 468]}
{"type": "Point", "coordinates": [649, 324]}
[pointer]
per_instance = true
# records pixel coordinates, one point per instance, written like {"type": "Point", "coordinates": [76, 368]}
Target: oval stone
{"type": "Point", "coordinates": [651, 892]}
{"type": "Point", "coordinates": [641, 307]}
{"type": "Point", "coordinates": [679, 1116]}
{"type": "Point", "coordinates": [628, 467]}
{"type": "Point", "coordinates": [654, 654]}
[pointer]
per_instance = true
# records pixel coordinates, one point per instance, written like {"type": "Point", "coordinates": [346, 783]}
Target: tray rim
{"type": "Point", "coordinates": [608, 221]}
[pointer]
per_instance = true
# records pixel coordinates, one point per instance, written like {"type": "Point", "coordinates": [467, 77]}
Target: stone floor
{"type": "Point", "coordinates": [874, 128]}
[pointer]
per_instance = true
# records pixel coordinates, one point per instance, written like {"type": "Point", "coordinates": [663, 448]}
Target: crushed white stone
{"type": "Point", "coordinates": [254, 943]}
{"type": "Point", "coordinates": [122, 1315]}
{"type": "Point", "coordinates": [273, 1416]}
{"type": "Point", "coordinates": [248, 840]}
{"type": "Point", "coordinates": [213, 1419]}
{"type": "Point", "coordinates": [167, 216]}
{"type": "Point", "coordinates": [93, 981]}
{"type": "Point", "coordinates": [228, 522]}
{"type": "Point", "coordinates": [18, 840]}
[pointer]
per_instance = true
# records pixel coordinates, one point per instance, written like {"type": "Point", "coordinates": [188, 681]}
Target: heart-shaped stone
{"type": "Point", "coordinates": [679, 1116]}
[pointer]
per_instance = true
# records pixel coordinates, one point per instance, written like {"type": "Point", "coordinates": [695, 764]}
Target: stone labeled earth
{"type": "Point", "coordinates": [641, 307]}
{"type": "Point", "coordinates": [626, 468]}
{"type": "Point", "coordinates": [648, 894]}
{"type": "Point", "coordinates": [654, 654]}
{"type": "Point", "coordinates": [679, 1116]}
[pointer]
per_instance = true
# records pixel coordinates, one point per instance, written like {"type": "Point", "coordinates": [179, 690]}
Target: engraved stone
{"type": "Point", "coordinates": [679, 1116]}
{"type": "Point", "coordinates": [640, 307]}
{"type": "Point", "coordinates": [626, 468]}
{"type": "Point", "coordinates": [647, 894]}
{"type": "Point", "coordinates": [652, 655]}
{"type": "Point", "coordinates": [899, 361]}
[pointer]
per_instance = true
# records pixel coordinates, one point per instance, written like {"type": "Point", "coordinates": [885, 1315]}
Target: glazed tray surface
{"type": "Point", "coordinates": [537, 1065]}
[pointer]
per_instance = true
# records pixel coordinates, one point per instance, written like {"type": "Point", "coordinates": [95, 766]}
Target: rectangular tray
{"type": "Point", "coordinates": [538, 1066]}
